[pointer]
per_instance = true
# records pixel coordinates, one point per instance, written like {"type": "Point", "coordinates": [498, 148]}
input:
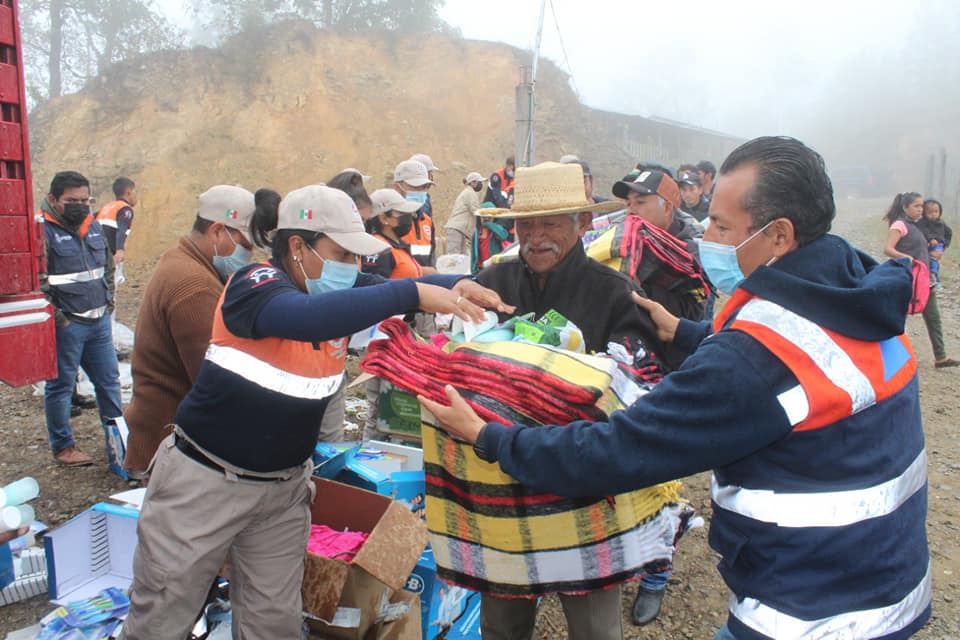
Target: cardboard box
{"type": "Point", "coordinates": [447, 611]}
{"type": "Point", "coordinates": [90, 552]}
{"type": "Point", "coordinates": [117, 446]}
{"type": "Point", "coordinates": [396, 540]}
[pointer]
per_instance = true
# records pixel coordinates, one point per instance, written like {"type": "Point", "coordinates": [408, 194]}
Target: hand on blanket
{"type": "Point", "coordinates": [666, 322]}
{"type": "Point", "coordinates": [480, 295]}
{"type": "Point", "coordinates": [459, 419]}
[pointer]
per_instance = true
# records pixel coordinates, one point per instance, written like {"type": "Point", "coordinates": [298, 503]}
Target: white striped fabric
{"type": "Point", "coordinates": [853, 625]}
{"type": "Point", "coordinates": [825, 508]}
{"type": "Point", "coordinates": [833, 361]}
{"type": "Point", "coordinates": [270, 377]}
{"type": "Point", "coordinates": [60, 279]}
{"type": "Point", "coordinates": [108, 222]}
{"type": "Point", "coordinates": [420, 249]}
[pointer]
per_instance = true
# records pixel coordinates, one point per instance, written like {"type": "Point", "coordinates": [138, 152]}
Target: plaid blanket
{"type": "Point", "coordinates": [494, 535]}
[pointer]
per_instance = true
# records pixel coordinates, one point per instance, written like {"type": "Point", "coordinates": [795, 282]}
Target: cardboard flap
{"type": "Point", "coordinates": [394, 547]}
{"type": "Point", "coordinates": [323, 580]}
{"type": "Point", "coordinates": [343, 507]}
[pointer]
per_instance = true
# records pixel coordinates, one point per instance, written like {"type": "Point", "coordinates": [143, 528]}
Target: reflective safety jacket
{"type": "Point", "coordinates": [421, 240]}
{"type": "Point", "coordinates": [116, 218]}
{"type": "Point", "coordinates": [76, 275]}
{"type": "Point", "coordinates": [823, 533]}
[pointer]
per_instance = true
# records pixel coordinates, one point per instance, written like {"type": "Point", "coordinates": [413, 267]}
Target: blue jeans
{"type": "Point", "coordinates": [655, 581]}
{"type": "Point", "coordinates": [89, 346]}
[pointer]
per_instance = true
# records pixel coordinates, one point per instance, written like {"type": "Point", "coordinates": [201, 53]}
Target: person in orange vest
{"type": "Point", "coordinates": [411, 179]}
{"type": "Point", "coordinates": [391, 221]}
{"type": "Point", "coordinates": [501, 182]}
{"type": "Point", "coordinates": [116, 217]}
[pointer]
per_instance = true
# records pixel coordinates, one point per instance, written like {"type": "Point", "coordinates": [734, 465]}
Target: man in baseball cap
{"type": "Point", "coordinates": [461, 224]}
{"type": "Point", "coordinates": [691, 192]}
{"type": "Point", "coordinates": [412, 181]}
{"type": "Point", "coordinates": [176, 317]}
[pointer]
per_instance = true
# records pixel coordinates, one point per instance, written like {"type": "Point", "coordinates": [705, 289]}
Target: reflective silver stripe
{"type": "Point", "coordinates": [107, 222]}
{"type": "Point", "coordinates": [270, 377]}
{"type": "Point", "coordinates": [420, 249]}
{"type": "Point", "coordinates": [92, 314]}
{"type": "Point", "coordinates": [23, 305]}
{"type": "Point", "coordinates": [795, 405]}
{"type": "Point", "coordinates": [823, 509]}
{"type": "Point", "coordinates": [60, 279]}
{"type": "Point", "coordinates": [854, 625]}
{"type": "Point", "coordinates": [814, 341]}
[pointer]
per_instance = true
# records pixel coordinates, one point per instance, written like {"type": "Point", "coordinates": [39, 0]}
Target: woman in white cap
{"type": "Point", "coordinates": [460, 226]}
{"type": "Point", "coordinates": [392, 219]}
{"type": "Point", "coordinates": [234, 478]}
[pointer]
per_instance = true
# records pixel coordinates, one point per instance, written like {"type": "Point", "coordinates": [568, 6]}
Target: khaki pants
{"type": "Point", "coordinates": [331, 427]}
{"type": "Point", "coordinates": [594, 616]}
{"type": "Point", "coordinates": [458, 242]}
{"type": "Point", "coordinates": [192, 518]}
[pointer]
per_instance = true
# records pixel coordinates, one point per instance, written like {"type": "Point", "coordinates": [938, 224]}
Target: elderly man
{"type": "Point", "coordinates": [176, 317]}
{"type": "Point", "coordinates": [806, 408]}
{"type": "Point", "coordinates": [554, 272]}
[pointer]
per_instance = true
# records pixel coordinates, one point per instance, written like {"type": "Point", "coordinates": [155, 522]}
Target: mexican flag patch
{"type": "Point", "coordinates": [306, 214]}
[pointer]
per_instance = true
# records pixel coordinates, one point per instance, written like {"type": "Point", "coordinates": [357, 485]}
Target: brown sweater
{"type": "Point", "coordinates": [172, 332]}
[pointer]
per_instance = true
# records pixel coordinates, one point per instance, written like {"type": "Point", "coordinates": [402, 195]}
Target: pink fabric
{"type": "Point", "coordinates": [330, 543]}
{"type": "Point", "coordinates": [900, 226]}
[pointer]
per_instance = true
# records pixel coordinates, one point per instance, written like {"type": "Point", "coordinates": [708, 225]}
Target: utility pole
{"type": "Point", "coordinates": [526, 102]}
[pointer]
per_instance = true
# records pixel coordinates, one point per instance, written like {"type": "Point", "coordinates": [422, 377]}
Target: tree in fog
{"type": "Point", "coordinates": [223, 18]}
{"type": "Point", "coordinates": [67, 42]}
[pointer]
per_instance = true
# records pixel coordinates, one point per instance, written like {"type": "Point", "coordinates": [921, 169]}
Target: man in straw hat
{"type": "Point", "coordinates": [552, 213]}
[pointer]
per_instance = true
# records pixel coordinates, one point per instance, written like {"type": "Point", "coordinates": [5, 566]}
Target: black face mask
{"type": "Point", "coordinates": [74, 213]}
{"type": "Point", "coordinates": [477, 187]}
{"type": "Point", "coordinates": [404, 224]}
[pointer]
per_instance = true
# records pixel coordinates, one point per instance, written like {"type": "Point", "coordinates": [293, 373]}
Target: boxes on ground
{"type": "Point", "coordinates": [447, 611]}
{"type": "Point", "coordinates": [355, 591]}
{"type": "Point", "coordinates": [91, 552]}
{"type": "Point", "coordinates": [398, 412]}
{"type": "Point", "coordinates": [382, 467]}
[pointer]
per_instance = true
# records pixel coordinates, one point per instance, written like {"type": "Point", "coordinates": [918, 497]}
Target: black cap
{"type": "Point", "coordinates": [691, 178]}
{"type": "Point", "coordinates": [650, 182]}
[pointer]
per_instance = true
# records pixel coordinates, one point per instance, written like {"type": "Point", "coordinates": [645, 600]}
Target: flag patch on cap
{"type": "Point", "coordinates": [306, 214]}
{"type": "Point", "coordinates": [232, 214]}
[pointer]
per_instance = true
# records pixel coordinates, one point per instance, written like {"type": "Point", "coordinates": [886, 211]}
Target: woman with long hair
{"type": "Point", "coordinates": [905, 240]}
{"type": "Point", "coordinates": [234, 477]}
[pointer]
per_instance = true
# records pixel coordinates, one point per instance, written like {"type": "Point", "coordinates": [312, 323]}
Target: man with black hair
{"type": "Point", "coordinates": [176, 315]}
{"type": "Point", "coordinates": [78, 282]}
{"type": "Point", "coordinates": [707, 172]}
{"type": "Point", "coordinates": [807, 410]}
{"type": "Point", "coordinates": [500, 184]}
{"type": "Point", "coordinates": [691, 194]}
{"type": "Point", "coordinates": [116, 218]}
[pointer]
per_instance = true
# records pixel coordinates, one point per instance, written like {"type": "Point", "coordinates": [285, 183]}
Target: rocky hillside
{"type": "Point", "coordinates": [292, 105]}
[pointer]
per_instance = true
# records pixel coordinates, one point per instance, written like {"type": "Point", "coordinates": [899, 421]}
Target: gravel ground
{"type": "Point", "coordinates": [695, 603]}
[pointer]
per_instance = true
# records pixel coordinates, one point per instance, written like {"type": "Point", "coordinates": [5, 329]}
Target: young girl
{"type": "Point", "coordinates": [905, 240]}
{"type": "Point", "coordinates": [938, 236]}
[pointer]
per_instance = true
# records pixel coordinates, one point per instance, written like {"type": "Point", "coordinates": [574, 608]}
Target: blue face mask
{"type": "Point", "coordinates": [420, 197]}
{"type": "Point", "coordinates": [228, 265]}
{"type": "Point", "coordinates": [334, 277]}
{"type": "Point", "coordinates": [721, 265]}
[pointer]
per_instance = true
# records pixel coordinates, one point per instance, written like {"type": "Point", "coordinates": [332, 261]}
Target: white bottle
{"type": "Point", "coordinates": [18, 492]}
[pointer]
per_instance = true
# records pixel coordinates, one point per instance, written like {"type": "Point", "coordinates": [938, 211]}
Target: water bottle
{"type": "Point", "coordinates": [12, 518]}
{"type": "Point", "coordinates": [18, 492]}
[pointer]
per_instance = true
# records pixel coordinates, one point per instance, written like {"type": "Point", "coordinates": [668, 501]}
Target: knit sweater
{"type": "Point", "coordinates": [172, 332]}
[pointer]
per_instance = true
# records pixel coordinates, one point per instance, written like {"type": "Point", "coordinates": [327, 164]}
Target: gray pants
{"type": "Point", "coordinates": [594, 616]}
{"type": "Point", "coordinates": [331, 427]}
{"type": "Point", "coordinates": [192, 518]}
{"type": "Point", "coordinates": [458, 242]}
{"type": "Point", "coordinates": [931, 318]}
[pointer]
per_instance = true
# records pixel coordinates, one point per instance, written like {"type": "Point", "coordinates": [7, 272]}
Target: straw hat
{"type": "Point", "coordinates": [549, 189]}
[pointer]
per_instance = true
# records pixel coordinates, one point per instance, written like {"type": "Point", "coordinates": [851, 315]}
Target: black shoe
{"type": "Point", "coordinates": [647, 606]}
{"type": "Point", "coordinates": [75, 410]}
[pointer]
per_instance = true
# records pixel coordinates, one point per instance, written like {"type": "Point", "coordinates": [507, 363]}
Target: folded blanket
{"type": "Point", "coordinates": [494, 535]}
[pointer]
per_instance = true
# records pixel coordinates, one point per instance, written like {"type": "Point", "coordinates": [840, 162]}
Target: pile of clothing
{"type": "Point", "coordinates": [494, 535]}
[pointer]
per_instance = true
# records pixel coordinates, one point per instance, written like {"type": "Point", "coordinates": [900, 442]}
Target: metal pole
{"type": "Point", "coordinates": [527, 160]}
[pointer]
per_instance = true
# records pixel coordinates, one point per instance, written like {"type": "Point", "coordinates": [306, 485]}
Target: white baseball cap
{"type": "Point", "coordinates": [362, 175]}
{"type": "Point", "coordinates": [473, 176]}
{"type": "Point", "coordinates": [233, 206]}
{"type": "Point", "coordinates": [385, 200]}
{"type": "Point", "coordinates": [331, 212]}
{"type": "Point", "coordinates": [413, 172]}
{"type": "Point", "coordinates": [426, 161]}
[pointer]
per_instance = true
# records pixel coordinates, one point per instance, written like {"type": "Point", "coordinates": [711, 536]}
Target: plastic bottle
{"type": "Point", "coordinates": [18, 492]}
{"type": "Point", "coordinates": [12, 518]}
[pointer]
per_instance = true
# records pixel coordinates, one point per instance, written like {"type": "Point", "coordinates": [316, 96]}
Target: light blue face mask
{"type": "Point", "coordinates": [334, 277]}
{"type": "Point", "coordinates": [721, 265]}
{"type": "Point", "coordinates": [228, 265]}
{"type": "Point", "coordinates": [420, 197]}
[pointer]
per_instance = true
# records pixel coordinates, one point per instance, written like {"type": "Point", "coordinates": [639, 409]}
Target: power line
{"type": "Point", "coordinates": [563, 48]}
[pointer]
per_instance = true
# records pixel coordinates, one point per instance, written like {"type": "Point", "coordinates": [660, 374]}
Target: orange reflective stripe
{"type": "Point", "coordinates": [737, 300]}
{"type": "Point", "coordinates": [425, 225]}
{"type": "Point", "coordinates": [110, 210]}
{"type": "Point", "coordinates": [82, 231]}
